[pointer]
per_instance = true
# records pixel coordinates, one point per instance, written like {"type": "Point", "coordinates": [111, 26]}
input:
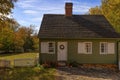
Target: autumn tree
{"type": "Point", "coordinates": [111, 10]}
{"type": "Point", "coordinates": [96, 10]}
{"type": "Point", "coordinates": [7, 39]}
{"type": "Point", "coordinates": [35, 41]}
{"type": "Point", "coordinates": [6, 7]}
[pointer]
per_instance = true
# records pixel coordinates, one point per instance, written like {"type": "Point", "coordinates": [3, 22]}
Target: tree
{"type": "Point", "coordinates": [35, 42]}
{"type": "Point", "coordinates": [6, 41]}
{"type": "Point", "coordinates": [23, 38]}
{"type": "Point", "coordinates": [111, 10]}
{"type": "Point", "coordinates": [6, 7]}
{"type": "Point", "coordinates": [7, 36]}
{"type": "Point", "coordinates": [96, 10]}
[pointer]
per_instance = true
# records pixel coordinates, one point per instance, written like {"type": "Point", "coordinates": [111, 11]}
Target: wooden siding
{"type": "Point", "coordinates": [73, 54]}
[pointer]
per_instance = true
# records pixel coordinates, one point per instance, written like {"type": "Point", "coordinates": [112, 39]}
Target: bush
{"type": "Point", "coordinates": [73, 64]}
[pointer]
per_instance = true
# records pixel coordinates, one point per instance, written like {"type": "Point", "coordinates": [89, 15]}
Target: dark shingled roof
{"type": "Point", "coordinates": [76, 27]}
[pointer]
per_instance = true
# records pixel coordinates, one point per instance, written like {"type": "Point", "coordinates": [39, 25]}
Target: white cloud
{"type": "Point", "coordinates": [36, 9]}
{"type": "Point", "coordinates": [30, 12]}
{"type": "Point", "coordinates": [22, 22]}
{"type": "Point", "coordinates": [81, 8]}
{"type": "Point", "coordinates": [37, 19]}
{"type": "Point", "coordinates": [26, 3]}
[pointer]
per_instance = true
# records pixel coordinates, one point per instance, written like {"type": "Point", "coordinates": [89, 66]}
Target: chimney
{"type": "Point", "coordinates": [68, 9]}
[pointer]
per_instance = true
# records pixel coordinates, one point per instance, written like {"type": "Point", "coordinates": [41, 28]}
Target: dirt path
{"type": "Point", "coordinates": [65, 73]}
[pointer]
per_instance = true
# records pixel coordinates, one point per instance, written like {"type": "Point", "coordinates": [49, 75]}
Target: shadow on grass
{"type": "Point", "coordinates": [9, 54]}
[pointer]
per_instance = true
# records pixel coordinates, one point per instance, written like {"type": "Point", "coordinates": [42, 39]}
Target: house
{"type": "Point", "coordinates": [79, 38]}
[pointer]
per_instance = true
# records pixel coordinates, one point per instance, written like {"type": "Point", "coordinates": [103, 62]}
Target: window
{"type": "Point", "coordinates": [88, 47]}
{"type": "Point", "coordinates": [103, 47]}
{"type": "Point", "coordinates": [51, 47]}
{"type": "Point", "coordinates": [107, 48]}
{"type": "Point", "coordinates": [47, 47]}
{"type": "Point", "coordinates": [85, 47]}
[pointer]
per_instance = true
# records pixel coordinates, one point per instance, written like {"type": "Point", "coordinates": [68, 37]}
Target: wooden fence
{"type": "Point", "coordinates": [26, 62]}
{"type": "Point", "coordinates": [4, 63]}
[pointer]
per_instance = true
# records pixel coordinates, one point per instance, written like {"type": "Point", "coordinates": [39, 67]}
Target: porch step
{"type": "Point", "coordinates": [62, 63]}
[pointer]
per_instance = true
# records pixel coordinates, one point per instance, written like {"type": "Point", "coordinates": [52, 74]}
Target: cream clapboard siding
{"type": "Point", "coordinates": [44, 47]}
{"type": "Point", "coordinates": [111, 48]}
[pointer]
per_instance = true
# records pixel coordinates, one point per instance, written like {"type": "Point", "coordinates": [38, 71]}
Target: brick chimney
{"type": "Point", "coordinates": [68, 9]}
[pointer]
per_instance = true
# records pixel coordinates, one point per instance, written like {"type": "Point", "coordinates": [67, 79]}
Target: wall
{"type": "Point", "coordinates": [73, 55]}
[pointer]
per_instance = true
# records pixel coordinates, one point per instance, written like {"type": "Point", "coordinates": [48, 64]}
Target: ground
{"type": "Point", "coordinates": [82, 72]}
{"type": "Point", "coordinates": [61, 73]}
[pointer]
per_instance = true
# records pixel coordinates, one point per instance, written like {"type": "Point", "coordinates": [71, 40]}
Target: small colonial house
{"type": "Point", "coordinates": [79, 38]}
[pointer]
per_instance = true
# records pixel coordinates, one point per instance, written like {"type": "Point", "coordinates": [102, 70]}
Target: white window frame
{"type": "Point", "coordinates": [51, 48]}
{"type": "Point", "coordinates": [110, 48]}
{"type": "Point", "coordinates": [105, 49]}
{"type": "Point", "coordinates": [88, 47]}
{"type": "Point", "coordinates": [45, 48]}
{"type": "Point", "coordinates": [82, 48]}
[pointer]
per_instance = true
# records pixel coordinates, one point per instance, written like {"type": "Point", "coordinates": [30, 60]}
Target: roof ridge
{"type": "Point", "coordinates": [75, 15]}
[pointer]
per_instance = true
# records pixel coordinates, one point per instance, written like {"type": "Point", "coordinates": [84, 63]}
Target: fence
{"type": "Point", "coordinates": [4, 63]}
{"type": "Point", "coordinates": [26, 62]}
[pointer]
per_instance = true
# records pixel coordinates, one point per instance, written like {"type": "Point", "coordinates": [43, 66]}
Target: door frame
{"type": "Point", "coordinates": [66, 52]}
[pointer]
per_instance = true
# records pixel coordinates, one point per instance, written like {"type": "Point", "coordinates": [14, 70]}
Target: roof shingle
{"type": "Point", "coordinates": [76, 27]}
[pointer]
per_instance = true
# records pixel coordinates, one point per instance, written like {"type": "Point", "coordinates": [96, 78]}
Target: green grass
{"type": "Point", "coordinates": [29, 73]}
{"type": "Point", "coordinates": [11, 56]}
{"type": "Point", "coordinates": [36, 73]}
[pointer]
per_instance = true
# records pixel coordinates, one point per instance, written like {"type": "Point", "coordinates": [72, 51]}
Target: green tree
{"type": "Point", "coordinates": [6, 41]}
{"type": "Point", "coordinates": [35, 42]}
{"type": "Point", "coordinates": [23, 38]}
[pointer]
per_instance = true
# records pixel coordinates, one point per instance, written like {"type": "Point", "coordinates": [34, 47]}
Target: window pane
{"type": "Point", "coordinates": [88, 47]}
{"type": "Point", "coordinates": [51, 47]}
{"type": "Point", "coordinates": [103, 47]}
{"type": "Point", "coordinates": [50, 44]}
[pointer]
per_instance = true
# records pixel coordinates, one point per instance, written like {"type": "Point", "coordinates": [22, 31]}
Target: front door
{"type": "Point", "coordinates": [62, 51]}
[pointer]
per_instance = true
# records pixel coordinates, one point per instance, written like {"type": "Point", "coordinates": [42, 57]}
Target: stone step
{"type": "Point", "coordinates": [62, 63]}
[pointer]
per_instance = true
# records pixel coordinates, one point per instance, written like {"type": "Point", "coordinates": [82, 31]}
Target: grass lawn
{"type": "Point", "coordinates": [36, 73]}
{"type": "Point", "coordinates": [28, 73]}
{"type": "Point", "coordinates": [11, 56]}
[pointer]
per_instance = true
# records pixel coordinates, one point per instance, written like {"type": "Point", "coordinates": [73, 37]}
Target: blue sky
{"type": "Point", "coordinates": [28, 12]}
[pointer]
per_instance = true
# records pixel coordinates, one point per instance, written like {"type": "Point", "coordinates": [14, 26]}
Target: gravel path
{"type": "Point", "coordinates": [66, 73]}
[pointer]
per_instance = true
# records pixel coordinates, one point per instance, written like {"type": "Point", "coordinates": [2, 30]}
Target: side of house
{"type": "Point", "coordinates": [81, 51]}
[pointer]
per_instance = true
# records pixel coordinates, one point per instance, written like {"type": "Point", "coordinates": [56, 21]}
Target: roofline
{"type": "Point", "coordinates": [76, 14]}
{"type": "Point", "coordinates": [78, 39]}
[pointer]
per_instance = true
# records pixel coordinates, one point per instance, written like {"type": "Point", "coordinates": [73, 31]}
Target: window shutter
{"type": "Point", "coordinates": [44, 47]}
{"type": "Point", "coordinates": [111, 48]}
{"type": "Point", "coordinates": [81, 47]}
